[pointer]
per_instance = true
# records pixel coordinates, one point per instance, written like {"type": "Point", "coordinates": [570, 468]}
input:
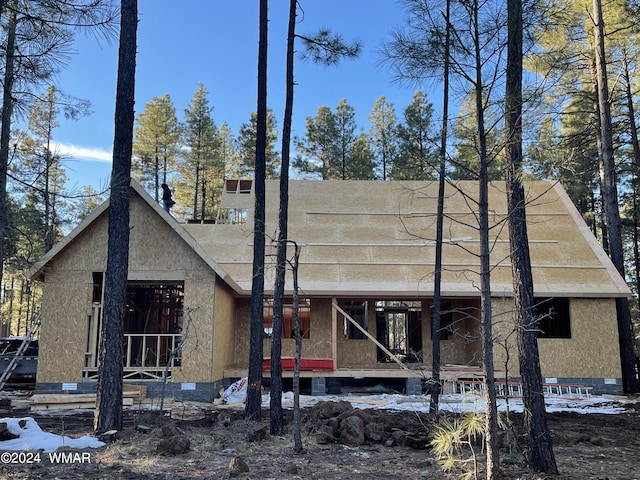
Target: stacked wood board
{"type": "Point", "coordinates": [131, 395]}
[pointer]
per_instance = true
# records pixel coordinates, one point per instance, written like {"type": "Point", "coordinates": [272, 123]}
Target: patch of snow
{"type": "Point", "coordinates": [458, 403]}
{"type": "Point", "coordinates": [31, 437]}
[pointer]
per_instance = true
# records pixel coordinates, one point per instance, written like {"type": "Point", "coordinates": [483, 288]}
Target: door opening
{"type": "Point", "coordinates": [399, 328]}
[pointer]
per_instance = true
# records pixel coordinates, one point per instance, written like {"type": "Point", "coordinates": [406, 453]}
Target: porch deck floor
{"type": "Point", "coordinates": [447, 373]}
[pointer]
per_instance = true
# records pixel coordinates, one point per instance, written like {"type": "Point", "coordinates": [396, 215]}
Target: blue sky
{"type": "Point", "coordinates": [215, 42]}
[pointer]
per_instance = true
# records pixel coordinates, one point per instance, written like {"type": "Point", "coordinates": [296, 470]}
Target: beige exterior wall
{"type": "Point", "coordinates": [459, 349]}
{"type": "Point", "coordinates": [197, 350]}
{"type": "Point", "coordinates": [505, 345]}
{"type": "Point", "coordinates": [318, 345]}
{"type": "Point", "coordinates": [66, 306]}
{"type": "Point", "coordinates": [223, 330]}
{"type": "Point", "coordinates": [358, 353]}
{"type": "Point", "coordinates": [243, 322]}
{"type": "Point", "coordinates": [65, 313]}
{"type": "Point", "coordinates": [464, 346]}
{"type": "Point", "coordinates": [591, 352]}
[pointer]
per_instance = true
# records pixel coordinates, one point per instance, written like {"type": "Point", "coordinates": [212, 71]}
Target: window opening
{"type": "Point", "coordinates": [233, 216]}
{"type": "Point", "coordinates": [238, 186]}
{"type": "Point", "coordinates": [554, 319]}
{"type": "Point", "coordinates": [357, 310]}
{"type": "Point", "coordinates": [94, 321]}
{"type": "Point", "coordinates": [152, 324]}
{"type": "Point", "coordinates": [152, 309]}
{"type": "Point", "coordinates": [304, 314]}
{"type": "Point", "coordinates": [98, 280]}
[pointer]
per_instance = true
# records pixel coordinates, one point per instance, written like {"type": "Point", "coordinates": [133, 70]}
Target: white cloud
{"type": "Point", "coordinates": [83, 153]}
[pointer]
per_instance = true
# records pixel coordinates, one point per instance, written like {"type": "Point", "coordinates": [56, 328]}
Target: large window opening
{"type": "Point", "coordinates": [153, 319]}
{"type": "Point", "coordinates": [153, 326]}
{"type": "Point", "coordinates": [399, 329]}
{"type": "Point", "coordinates": [154, 308]}
{"type": "Point", "coordinates": [358, 311]}
{"type": "Point", "coordinates": [554, 319]}
{"type": "Point", "coordinates": [304, 315]}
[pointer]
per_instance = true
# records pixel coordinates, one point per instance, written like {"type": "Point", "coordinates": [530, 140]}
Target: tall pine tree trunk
{"type": "Point", "coordinates": [195, 191]}
{"type": "Point", "coordinates": [5, 130]}
{"type": "Point", "coordinates": [276, 414]}
{"type": "Point", "coordinates": [437, 277]}
{"type": "Point", "coordinates": [491, 429]}
{"type": "Point", "coordinates": [635, 144]}
{"type": "Point", "coordinates": [108, 413]}
{"type": "Point", "coordinates": [254, 388]}
{"type": "Point", "coordinates": [610, 204]}
{"type": "Point", "coordinates": [296, 427]}
{"type": "Point", "coordinates": [539, 454]}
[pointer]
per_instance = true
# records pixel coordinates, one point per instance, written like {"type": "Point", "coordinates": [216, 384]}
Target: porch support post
{"type": "Point", "coordinates": [334, 334]}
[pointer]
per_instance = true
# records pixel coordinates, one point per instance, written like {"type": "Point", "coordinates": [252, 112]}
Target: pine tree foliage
{"type": "Point", "coordinates": [417, 142]}
{"type": "Point", "coordinates": [246, 141]}
{"type": "Point", "coordinates": [383, 135]}
{"type": "Point", "coordinates": [464, 162]}
{"type": "Point", "coordinates": [24, 245]}
{"type": "Point", "coordinates": [41, 171]}
{"type": "Point", "coordinates": [201, 170]}
{"type": "Point", "coordinates": [156, 141]}
{"type": "Point", "coordinates": [35, 43]}
{"type": "Point", "coordinates": [333, 149]}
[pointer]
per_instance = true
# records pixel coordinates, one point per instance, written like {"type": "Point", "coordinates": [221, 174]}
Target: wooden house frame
{"type": "Point", "coordinates": [366, 268]}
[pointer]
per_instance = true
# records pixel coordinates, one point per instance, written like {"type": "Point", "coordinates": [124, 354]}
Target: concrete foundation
{"type": "Point", "coordinates": [197, 392]}
{"type": "Point", "coordinates": [318, 386]}
{"type": "Point", "coordinates": [413, 386]}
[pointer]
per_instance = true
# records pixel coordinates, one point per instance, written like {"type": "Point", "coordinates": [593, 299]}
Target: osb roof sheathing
{"type": "Point", "coordinates": [39, 269]}
{"type": "Point", "coordinates": [375, 237]}
{"type": "Point", "coordinates": [378, 238]}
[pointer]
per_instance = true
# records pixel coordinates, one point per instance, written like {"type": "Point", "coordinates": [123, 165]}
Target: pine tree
{"type": "Point", "coordinates": [345, 118]}
{"type": "Point", "coordinates": [247, 147]}
{"type": "Point", "coordinates": [156, 140]}
{"type": "Point", "coordinates": [319, 148]}
{"type": "Point", "coordinates": [108, 412]}
{"type": "Point", "coordinates": [611, 199]}
{"type": "Point", "coordinates": [24, 244]}
{"type": "Point", "coordinates": [540, 456]}
{"type": "Point", "coordinates": [465, 163]}
{"type": "Point", "coordinates": [252, 410]}
{"type": "Point", "coordinates": [332, 149]}
{"type": "Point", "coordinates": [417, 155]}
{"type": "Point", "coordinates": [202, 166]}
{"type": "Point", "coordinates": [37, 33]}
{"type": "Point", "coordinates": [383, 134]}
{"type": "Point", "coordinates": [43, 170]}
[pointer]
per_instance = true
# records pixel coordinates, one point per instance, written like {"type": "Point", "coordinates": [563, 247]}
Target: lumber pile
{"type": "Point", "coordinates": [131, 395]}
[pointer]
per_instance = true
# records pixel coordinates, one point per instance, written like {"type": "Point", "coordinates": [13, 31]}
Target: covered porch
{"type": "Point", "coordinates": [153, 330]}
{"type": "Point", "coordinates": [380, 340]}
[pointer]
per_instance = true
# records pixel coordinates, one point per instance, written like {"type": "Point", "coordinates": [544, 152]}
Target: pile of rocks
{"type": "Point", "coordinates": [340, 422]}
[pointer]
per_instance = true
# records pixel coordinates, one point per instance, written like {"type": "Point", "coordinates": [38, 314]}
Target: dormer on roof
{"type": "Point", "coordinates": [237, 199]}
{"type": "Point", "coordinates": [240, 186]}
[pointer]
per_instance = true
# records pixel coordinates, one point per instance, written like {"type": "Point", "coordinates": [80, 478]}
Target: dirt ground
{"type": "Point", "coordinates": [593, 446]}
